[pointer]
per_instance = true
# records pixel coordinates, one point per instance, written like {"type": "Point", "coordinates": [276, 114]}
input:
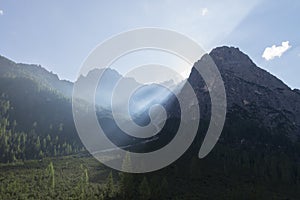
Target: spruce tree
{"type": "Point", "coordinates": [127, 185]}
{"type": "Point", "coordinates": [144, 190]}
{"type": "Point", "coordinates": [109, 186]}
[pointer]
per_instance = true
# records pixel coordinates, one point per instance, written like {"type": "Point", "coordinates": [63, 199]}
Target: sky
{"type": "Point", "coordinates": [59, 35]}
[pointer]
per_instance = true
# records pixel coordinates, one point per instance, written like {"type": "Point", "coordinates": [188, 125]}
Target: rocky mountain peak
{"type": "Point", "coordinates": [251, 89]}
{"type": "Point", "coordinates": [229, 55]}
{"type": "Point", "coordinates": [233, 62]}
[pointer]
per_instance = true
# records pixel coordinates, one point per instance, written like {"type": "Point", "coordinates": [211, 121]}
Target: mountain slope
{"type": "Point", "coordinates": [36, 96]}
{"type": "Point", "coordinates": [36, 73]}
{"type": "Point", "coordinates": [264, 97]}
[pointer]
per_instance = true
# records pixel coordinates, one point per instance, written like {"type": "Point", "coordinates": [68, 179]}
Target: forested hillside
{"type": "Point", "coordinates": [16, 145]}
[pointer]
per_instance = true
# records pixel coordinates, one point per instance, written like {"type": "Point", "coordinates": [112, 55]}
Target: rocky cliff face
{"type": "Point", "coordinates": [252, 90]}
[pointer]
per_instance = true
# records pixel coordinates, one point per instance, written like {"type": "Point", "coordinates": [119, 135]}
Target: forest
{"type": "Point", "coordinates": [48, 167]}
{"type": "Point", "coordinates": [20, 146]}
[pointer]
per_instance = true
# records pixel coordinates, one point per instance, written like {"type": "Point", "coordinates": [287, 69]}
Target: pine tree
{"type": "Point", "coordinates": [109, 186]}
{"type": "Point", "coordinates": [38, 144]}
{"type": "Point", "coordinates": [195, 168]}
{"type": "Point", "coordinates": [144, 190]}
{"type": "Point", "coordinates": [127, 185]}
{"type": "Point", "coordinates": [86, 177]}
{"type": "Point", "coordinates": [163, 188]}
{"type": "Point", "coordinates": [126, 165]}
{"type": "Point", "coordinates": [41, 154]}
{"type": "Point", "coordinates": [51, 175]}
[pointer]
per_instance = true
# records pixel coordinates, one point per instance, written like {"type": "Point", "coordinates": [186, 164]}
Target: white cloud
{"type": "Point", "coordinates": [204, 11]}
{"type": "Point", "coordinates": [276, 51]}
{"type": "Point", "coordinates": [1, 12]}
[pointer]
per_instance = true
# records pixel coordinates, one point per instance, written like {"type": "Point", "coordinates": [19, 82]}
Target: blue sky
{"type": "Point", "coordinates": [60, 34]}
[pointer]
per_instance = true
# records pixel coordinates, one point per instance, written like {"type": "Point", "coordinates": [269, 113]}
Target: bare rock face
{"type": "Point", "coordinates": [263, 96]}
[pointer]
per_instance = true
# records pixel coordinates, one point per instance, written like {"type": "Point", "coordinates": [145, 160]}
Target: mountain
{"type": "Point", "coordinates": [38, 95]}
{"type": "Point", "coordinates": [253, 91]}
{"type": "Point", "coordinates": [36, 73]}
{"type": "Point", "coordinates": [249, 88]}
{"type": "Point", "coordinates": [40, 103]}
{"type": "Point", "coordinates": [256, 157]}
{"type": "Point", "coordinates": [36, 119]}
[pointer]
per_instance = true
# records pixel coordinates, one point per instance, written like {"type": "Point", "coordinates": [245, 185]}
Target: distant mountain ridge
{"type": "Point", "coordinates": [36, 73]}
{"type": "Point", "coordinates": [250, 89]}
{"type": "Point", "coordinates": [39, 100]}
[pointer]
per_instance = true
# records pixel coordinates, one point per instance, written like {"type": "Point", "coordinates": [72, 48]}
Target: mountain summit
{"type": "Point", "coordinates": [253, 91]}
